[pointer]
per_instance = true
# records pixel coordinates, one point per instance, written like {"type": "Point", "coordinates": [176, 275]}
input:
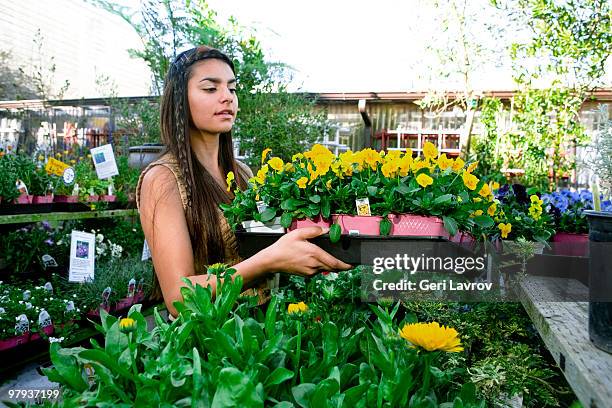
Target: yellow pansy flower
{"type": "Point", "coordinates": [458, 164]}
{"type": "Point", "coordinates": [470, 180]}
{"type": "Point", "coordinates": [505, 229]}
{"type": "Point", "coordinates": [424, 180]}
{"type": "Point", "coordinates": [492, 209]}
{"type": "Point", "coordinates": [301, 182]}
{"type": "Point", "coordinates": [289, 167]}
{"type": "Point", "coordinates": [430, 151]}
{"type": "Point", "coordinates": [444, 162]}
{"type": "Point", "coordinates": [264, 154]}
{"type": "Point", "coordinates": [230, 177]}
{"type": "Point", "coordinates": [328, 184]}
{"type": "Point", "coordinates": [297, 156]}
{"type": "Point", "coordinates": [276, 163]}
{"type": "Point", "coordinates": [472, 167]}
{"type": "Point", "coordinates": [485, 191]}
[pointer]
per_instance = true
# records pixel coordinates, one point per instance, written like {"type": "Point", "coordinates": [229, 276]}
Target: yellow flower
{"type": "Point", "coordinates": [494, 185]}
{"type": "Point", "coordinates": [476, 213]}
{"type": "Point", "coordinates": [472, 167]}
{"type": "Point", "coordinates": [297, 156]}
{"type": "Point", "coordinates": [458, 164]}
{"type": "Point", "coordinates": [470, 180]}
{"type": "Point", "coordinates": [535, 211]}
{"type": "Point", "coordinates": [261, 174]}
{"type": "Point", "coordinates": [301, 182]}
{"type": "Point", "coordinates": [424, 180]}
{"type": "Point", "coordinates": [58, 155]}
{"type": "Point", "coordinates": [418, 164]}
{"type": "Point", "coordinates": [65, 152]}
{"type": "Point", "coordinates": [389, 169]}
{"type": "Point", "coordinates": [289, 167]}
{"type": "Point", "coordinates": [229, 179]}
{"type": "Point", "coordinates": [432, 337]}
{"type": "Point", "coordinates": [371, 157]}
{"type": "Point", "coordinates": [297, 308]}
{"type": "Point", "coordinates": [477, 199]}
{"type": "Point", "coordinates": [485, 191]}
{"type": "Point", "coordinates": [127, 325]}
{"type": "Point", "coordinates": [276, 163]}
{"type": "Point", "coordinates": [430, 151]}
{"type": "Point", "coordinates": [444, 162]}
{"type": "Point", "coordinates": [492, 209]}
{"type": "Point", "coordinates": [505, 229]}
{"type": "Point", "coordinates": [328, 184]}
{"type": "Point", "coordinates": [41, 157]}
{"type": "Point", "coordinates": [264, 154]}
{"type": "Point", "coordinates": [405, 163]}
{"type": "Point", "coordinates": [72, 161]}
{"type": "Point", "coordinates": [535, 200]}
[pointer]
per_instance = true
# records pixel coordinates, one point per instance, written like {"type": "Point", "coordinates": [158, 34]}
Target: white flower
{"type": "Point", "coordinates": [55, 339]}
{"type": "Point", "coordinates": [99, 237]}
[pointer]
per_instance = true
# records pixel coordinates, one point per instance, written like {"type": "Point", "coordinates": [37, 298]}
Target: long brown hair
{"type": "Point", "coordinates": [204, 194]}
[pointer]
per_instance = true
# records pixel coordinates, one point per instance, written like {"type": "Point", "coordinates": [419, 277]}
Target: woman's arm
{"type": "Point", "coordinates": [165, 228]}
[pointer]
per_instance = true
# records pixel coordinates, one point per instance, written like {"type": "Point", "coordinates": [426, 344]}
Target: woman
{"type": "Point", "coordinates": [178, 196]}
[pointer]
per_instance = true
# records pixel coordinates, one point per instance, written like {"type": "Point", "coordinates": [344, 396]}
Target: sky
{"type": "Point", "coordinates": [351, 46]}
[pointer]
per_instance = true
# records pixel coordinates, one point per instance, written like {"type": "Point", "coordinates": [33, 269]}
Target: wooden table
{"type": "Point", "coordinates": [563, 325]}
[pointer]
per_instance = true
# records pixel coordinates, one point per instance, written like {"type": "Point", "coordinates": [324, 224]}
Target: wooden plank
{"type": "Point", "coordinates": [59, 216]}
{"type": "Point", "coordinates": [563, 325]}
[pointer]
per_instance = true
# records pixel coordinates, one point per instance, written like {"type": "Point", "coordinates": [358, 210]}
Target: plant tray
{"type": "Point", "coordinates": [355, 250]}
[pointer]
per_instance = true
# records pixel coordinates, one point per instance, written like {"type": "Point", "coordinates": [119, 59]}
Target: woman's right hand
{"type": "Point", "coordinates": [293, 254]}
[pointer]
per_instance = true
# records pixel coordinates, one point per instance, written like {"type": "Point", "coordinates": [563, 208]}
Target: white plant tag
{"type": "Point", "coordinates": [48, 261]}
{"type": "Point", "coordinates": [49, 287]}
{"type": "Point", "coordinates": [146, 252]}
{"type": "Point", "coordinates": [22, 325]}
{"type": "Point", "coordinates": [75, 189]}
{"type": "Point", "coordinates": [44, 319]}
{"type": "Point", "coordinates": [363, 206]}
{"type": "Point", "coordinates": [106, 295]}
{"type": "Point", "coordinates": [131, 287]}
{"type": "Point", "coordinates": [104, 161]}
{"type": "Point", "coordinates": [27, 294]}
{"type": "Point", "coordinates": [70, 306]}
{"type": "Point", "coordinates": [28, 305]}
{"type": "Point", "coordinates": [140, 287]}
{"type": "Point", "coordinates": [261, 206]}
{"type": "Point", "coordinates": [2, 311]}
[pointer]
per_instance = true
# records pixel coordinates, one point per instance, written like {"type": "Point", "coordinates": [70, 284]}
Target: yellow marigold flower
{"type": "Point", "coordinates": [444, 162]}
{"type": "Point", "coordinates": [430, 151]}
{"type": "Point", "coordinates": [432, 337]}
{"type": "Point", "coordinates": [229, 179]}
{"type": "Point", "coordinates": [492, 209]}
{"type": "Point", "coordinates": [276, 163]}
{"type": "Point", "coordinates": [424, 180]}
{"type": "Point", "coordinates": [505, 229]}
{"type": "Point", "coordinates": [264, 154]}
{"type": "Point", "coordinates": [470, 180]}
{"type": "Point", "coordinates": [472, 167]}
{"type": "Point", "coordinates": [485, 191]}
{"type": "Point", "coordinates": [127, 325]}
{"type": "Point", "coordinates": [458, 164]}
{"type": "Point", "coordinates": [297, 308]}
{"type": "Point", "coordinates": [301, 182]}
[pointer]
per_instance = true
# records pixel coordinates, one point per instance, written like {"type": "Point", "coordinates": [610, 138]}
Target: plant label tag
{"type": "Point", "coordinates": [28, 305]}
{"type": "Point", "coordinates": [106, 295]}
{"type": "Point", "coordinates": [26, 295]}
{"type": "Point", "coordinates": [140, 287]}
{"type": "Point", "coordinates": [56, 167]}
{"type": "Point", "coordinates": [49, 287]}
{"type": "Point", "coordinates": [82, 256]}
{"type": "Point", "coordinates": [70, 306]}
{"type": "Point", "coordinates": [20, 185]}
{"type": "Point", "coordinates": [48, 262]}
{"type": "Point", "coordinates": [2, 311]}
{"type": "Point", "coordinates": [111, 189]}
{"type": "Point", "coordinates": [68, 176]}
{"type": "Point", "coordinates": [131, 288]}
{"type": "Point", "coordinates": [363, 206]}
{"type": "Point", "coordinates": [104, 161]}
{"type": "Point", "coordinates": [44, 319]}
{"type": "Point", "coordinates": [146, 252]}
{"type": "Point", "coordinates": [261, 206]}
{"type": "Point", "coordinates": [22, 325]}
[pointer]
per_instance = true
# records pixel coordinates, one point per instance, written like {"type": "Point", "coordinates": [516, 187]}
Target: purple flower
{"type": "Point", "coordinates": [49, 241]}
{"type": "Point", "coordinates": [520, 192]}
{"type": "Point", "coordinates": [503, 191]}
{"type": "Point", "coordinates": [46, 225]}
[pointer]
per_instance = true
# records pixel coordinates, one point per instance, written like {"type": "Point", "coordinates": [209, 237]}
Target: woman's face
{"type": "Point", "coordinates": [211, 91]}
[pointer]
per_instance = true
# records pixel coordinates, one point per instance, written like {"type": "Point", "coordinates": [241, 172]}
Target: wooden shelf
{"type": "Point", "coordinates": [563, 325]}
{"type": "Point", "coordinates": [59, 216]}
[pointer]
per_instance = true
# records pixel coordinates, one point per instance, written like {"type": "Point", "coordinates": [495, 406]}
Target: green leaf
{"type": "Point", "coordinates": [286, 219]}
{"type": "Point", "coordinates": [268, 214]}
{"type": "Point", "coordinates": [315, 198]}
{"type": "Point", "coordinates": [302, 392]}
{"type": "Point", "coordinates": [278, 376]}
{"type": "Point", "coordinates": [484, 221]}
{"type": "Point", "coordinates": [292, 204]}
{"type": "Point", "coordinates": [450, 225]}
{"type": "Point", "coordinates": [235, 389]}
{"type": "Point", "coordinates": [335, 232]}
{"type": "Point", "coordinates": [402, 189]}
{"type": "Point", "coordinates": [67, 368]}
{"type": "Point", "coordinates": [325, 207]}
{"type": "Point", "coordinates": [271, 317]}
{"type": "Point", "coordinates": [443, 199]}
{"type": "Point", "coordinates": [372, 190]}
{"type": "Point", "coordinates": [385, 226]}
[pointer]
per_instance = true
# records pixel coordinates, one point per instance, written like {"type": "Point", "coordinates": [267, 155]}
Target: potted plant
{"type": "Point", "coordinates": [24, 168]}
{"type": "Point", "coordinates": [522, 216]}
{"type": "Point", "coordinates": [600, 237]}
{"type": "Point", "coordinates": [41, 185]}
